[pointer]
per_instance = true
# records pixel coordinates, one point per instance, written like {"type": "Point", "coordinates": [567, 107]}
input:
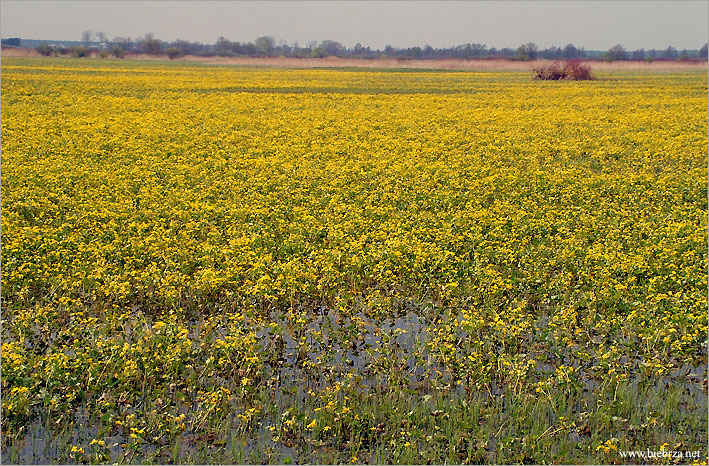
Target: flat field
{"type": "Point", "coordinates": [205, 264]}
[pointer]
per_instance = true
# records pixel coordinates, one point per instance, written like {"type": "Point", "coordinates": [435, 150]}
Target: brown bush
{"type": "Point", "coordinates": [577, 71]}
{"type": "Point", "coordinates": [571, 70]}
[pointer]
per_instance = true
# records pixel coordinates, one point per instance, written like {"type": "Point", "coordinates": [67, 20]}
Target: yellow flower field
{"type": "Point", "coordinates": [243, 265]}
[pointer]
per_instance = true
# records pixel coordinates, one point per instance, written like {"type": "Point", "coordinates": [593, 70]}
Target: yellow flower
{"type": "Point", "coordinates": [564, 222]}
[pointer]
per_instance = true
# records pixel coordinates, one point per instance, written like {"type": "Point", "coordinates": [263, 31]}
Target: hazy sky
{"type": "Point", "coordinates": [595, 25]}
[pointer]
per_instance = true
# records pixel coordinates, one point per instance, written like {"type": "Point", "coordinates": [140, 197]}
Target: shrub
{"type": "Point", "coordinates": [46, 50]}
{"type": "Point", "coordinates": [174, 52]}
{"type": "Point", "coordinates": [577, 71]}
{"type": "Point", "coordinates": [103, 54]}
{"type": "Point", "coordinates": [571, 70]}
{"type": "Point", "coordinates": [79, 51]}
{"type": "Point", "coordinates": [551, 72]}
{"type": "Point", "coordinates": [118, 52]}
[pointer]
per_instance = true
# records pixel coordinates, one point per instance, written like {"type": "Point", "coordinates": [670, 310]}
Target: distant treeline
{"type": "Point", "coordinates": [267, 46]}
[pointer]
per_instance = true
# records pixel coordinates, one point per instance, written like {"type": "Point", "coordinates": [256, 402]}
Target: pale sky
{"type": "Point", "coordinates": [594, 25]}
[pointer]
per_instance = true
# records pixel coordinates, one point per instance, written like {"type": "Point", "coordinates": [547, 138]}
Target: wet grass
{"type": "Point", "coordinates": [381, 400]}
{"type": "Point", "coordinates": [396, 427]}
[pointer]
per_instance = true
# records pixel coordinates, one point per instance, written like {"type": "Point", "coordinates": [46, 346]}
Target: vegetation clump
{"type": "Point", "coordinates": [174, 52]}
{"type": "Point", "coordinates": [79, 51]}
{"type": "Point", "coordinates": [118, 51]}
{"type": "Point", "coordinates": [571, 70]}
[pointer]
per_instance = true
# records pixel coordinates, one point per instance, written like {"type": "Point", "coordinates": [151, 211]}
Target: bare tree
{"type": "Point", "coordinates": [150, 45]}
{"type": "Point", "coordinates": [528, 50]}
{"type": "Point", "coordinates": [223, 46]}
{"type": "Point", "coordinates": [126, 43]}
{"type": "Point", "coordinates": [617, 52]}
{"type": "Point", "coordinates": [638, 54]}
{"type": "Point", "coordinates": [86, 37]}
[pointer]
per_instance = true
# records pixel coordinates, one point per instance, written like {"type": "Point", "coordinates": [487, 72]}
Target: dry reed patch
{"type": "Point", "coordinates": [658, 65]}
{"type": "Point", "coordinates": [19, 52]}
{"type": "Point", "coordinates": [445, 64]}
{"type": "Point", "coordinates": [391, 63]}
{"type": "Point", "coordinates": [336, 62]}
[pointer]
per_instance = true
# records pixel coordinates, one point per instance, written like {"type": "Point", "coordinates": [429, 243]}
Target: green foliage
{"type": "Point", "coordinates": [174, 52]}
{"type": "Point", "coordinates": [46, 50]}
{"type": "Point", "coordinates": [117, 51]}
{"type": "Point", "coordinates": [79, 51]}
{"type": "Point", "coordinates": [319, 52]}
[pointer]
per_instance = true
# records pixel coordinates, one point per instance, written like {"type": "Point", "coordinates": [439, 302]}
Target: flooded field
{"type": "Point", "coordinates": [212, 264]}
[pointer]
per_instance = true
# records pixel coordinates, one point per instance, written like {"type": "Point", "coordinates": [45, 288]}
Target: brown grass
{"type": "Point", "coordinates": [446, 64]}
{"type": "Point", "coordinates": [18, 52]}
